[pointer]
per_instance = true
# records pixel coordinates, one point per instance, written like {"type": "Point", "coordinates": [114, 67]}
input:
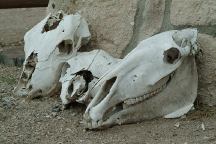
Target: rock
{"type": "Point", "coordinates": [56, 109]}
{"type": "Point", "coordinates": [8, 102]}
{"type": "Point", "coordinates": [177, 125]}
{"type": "Point", "coordinates": [203, 127]}
{"type": "Point", "coordinates": [207, 70]}
{"type": "Point", "coordinates": [193, 12]}
{"type": "Point", "coordinates": [54, 114]}
{"type": "Point", "coordinates": [68, 129]}
{"type": "Point", "coordinates": [109, 21]}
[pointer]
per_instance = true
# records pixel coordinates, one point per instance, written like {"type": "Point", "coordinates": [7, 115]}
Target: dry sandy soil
{"type": "Point", "coordinates": [24, 121]}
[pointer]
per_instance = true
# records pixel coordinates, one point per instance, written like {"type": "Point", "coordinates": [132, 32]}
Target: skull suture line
{"type": "Point", "coordinates": [84, 71]}
{"type": "Point", "coordinates": [48, 45]}
{"type": "Point", "coordinates": [158, 78]}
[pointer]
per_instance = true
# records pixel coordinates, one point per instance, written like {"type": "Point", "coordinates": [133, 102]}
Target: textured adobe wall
{"type": "Point", "coordinates": [14, 24]}
{"type": "Point", "coordinates": [111, 21]}
{"type": "Point", "coordinates": [118, 26]}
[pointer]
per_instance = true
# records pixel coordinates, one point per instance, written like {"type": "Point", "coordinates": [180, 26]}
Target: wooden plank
{"type": "Point", "coordinates": [5, 4]}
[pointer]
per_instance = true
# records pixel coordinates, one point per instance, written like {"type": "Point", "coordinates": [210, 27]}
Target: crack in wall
{"type": "Point", "coordinates": [138, 20]}
{"type": "Point", "coordinates": [166, 25]}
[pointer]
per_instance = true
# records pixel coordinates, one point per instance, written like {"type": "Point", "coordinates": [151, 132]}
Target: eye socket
{"type": "Point", "coordinates": [172, 55]}
{"type": "Point", "coordinates": [65, 47]}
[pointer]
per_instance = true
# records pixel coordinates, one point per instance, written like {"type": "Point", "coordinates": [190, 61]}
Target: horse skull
{"type": "Point", "coordinates": [82, 72]}
{"type": "Point", "coordinates": [157, 79]}
{"type": "Point", "coordinates": [47, 46]}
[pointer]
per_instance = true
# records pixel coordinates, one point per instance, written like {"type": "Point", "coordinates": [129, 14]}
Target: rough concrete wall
{"type": "Point", "coordinates": [14, 24]}
{"type": "Point", "coordinates": [118, 26]}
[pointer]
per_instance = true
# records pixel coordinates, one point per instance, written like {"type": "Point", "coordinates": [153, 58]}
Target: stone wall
{"type": "Point", "coordinates": [119, 25]}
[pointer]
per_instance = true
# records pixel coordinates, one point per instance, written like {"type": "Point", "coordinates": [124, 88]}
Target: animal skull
{"type": "Point", "coordinates": [157, 79]}
{"type": "Point", "coordinates": [48, 45]}
{"type": "Point", "coordinates": [81, 73]}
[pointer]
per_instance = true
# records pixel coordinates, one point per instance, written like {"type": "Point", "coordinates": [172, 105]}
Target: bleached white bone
{"type": "Point", "coordinates": [180, 112]}
{"type": "Point", "coordinates": [155, 79]}
{"type": "Point", "coordinates": [48, 45]}
{"type": "Point", "coordinates": [97, 62]}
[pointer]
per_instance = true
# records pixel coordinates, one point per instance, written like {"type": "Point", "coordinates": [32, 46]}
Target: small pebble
{"type": "Point", "coordinates": [203, 126]}
{"type": "Point", "coordinates": [177, 125]}
{"type": "Point", "coordinates": [56, 109]}
{"type": "Point", "coordinates": [74, 114]}
{"type": "Point", "coordinates": [54, 114]}
{"type": "Point", "coordinates": [67, 129]}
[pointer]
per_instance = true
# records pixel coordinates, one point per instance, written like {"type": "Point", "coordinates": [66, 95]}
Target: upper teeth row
{"type": "Point", "coordinates": [133, 101]}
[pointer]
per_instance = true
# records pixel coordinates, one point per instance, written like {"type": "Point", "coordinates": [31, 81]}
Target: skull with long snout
{"type": "Point", "coordinates": [81, 73]}
{"type": "Point", "coordinates": [48, 45]}
{"type": "Point", "coordinates": [157, 79]}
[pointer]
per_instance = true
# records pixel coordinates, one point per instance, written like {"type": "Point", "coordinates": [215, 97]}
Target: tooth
{"type": "Point", "coordinates": [125, 105]}
{"type": "Point", "coordinates": [143, 97]}
{"type": "Point", "coordinates": [147, 95]}
{"type": "Point", "coordinates": [114, 108]}
{"type": "Point", "coordinates": [154, 93]}
{"type": "Point", "coordinates": [126, 102]}
{"type": "Point", "coordinates": [133, 101]}
{"type": "Point", "coordinates": [140, 99]}
{"type": "Point", "coordinates": [157, 90]}
{"type": "Point", "coordinates": [129, 102]}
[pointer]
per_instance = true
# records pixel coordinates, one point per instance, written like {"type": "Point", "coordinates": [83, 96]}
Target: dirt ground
{"type": "Point", "coordinates": [24, 121]}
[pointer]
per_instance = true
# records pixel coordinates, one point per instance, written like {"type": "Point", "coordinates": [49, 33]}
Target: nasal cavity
{"type": "Point", "coordinates": [172, 55]}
